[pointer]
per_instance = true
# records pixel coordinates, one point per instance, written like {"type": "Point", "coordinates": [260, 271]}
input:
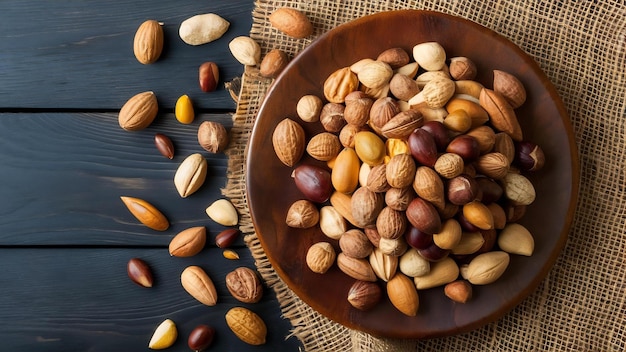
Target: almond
{"type": "Point", "coordinates": [403, 294]}
{"type": "Point", "coordinates": [292, 22]}
{"type": "Point", "coordinates": [148, 42]}
{"type": "Point", "coordinates": [138, 112]}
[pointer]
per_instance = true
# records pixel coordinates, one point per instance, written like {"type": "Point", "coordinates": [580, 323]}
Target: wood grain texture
{"type": "Point", "coordinates": [79, 54]}
{"type": "Point", "coordinates": [63, 174]}
{"type": "Point", "coordinates": [82, 300]}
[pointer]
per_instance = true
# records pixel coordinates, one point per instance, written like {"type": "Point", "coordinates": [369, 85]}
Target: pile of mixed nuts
{"type": "Point", "coordinates": [139, 112]}
{"type": "Point", "coordinates": [418, 178]}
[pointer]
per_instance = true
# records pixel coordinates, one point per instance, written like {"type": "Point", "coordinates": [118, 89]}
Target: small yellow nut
{"type": "Point", "coordinates": [184, 110]}
{"type": "Point", "coordinates": [230, 254]}
{"type": "Point", "coordinates": [164, 336]}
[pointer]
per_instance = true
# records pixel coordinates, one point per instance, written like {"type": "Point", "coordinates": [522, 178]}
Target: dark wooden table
{"type": "Point", "coordinates": [66, 68]}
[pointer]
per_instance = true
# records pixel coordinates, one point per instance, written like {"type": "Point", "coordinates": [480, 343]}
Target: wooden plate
{"type": "Point", "coordinates": [271, 189]}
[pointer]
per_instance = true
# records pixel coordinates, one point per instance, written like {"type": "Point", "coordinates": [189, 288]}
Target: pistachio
{"type": "Point", "coordinates": [384, 265]}
{"type": "Point", "coordinates": [223, 212]}
{"type": "Point", "coordinates": [190, 175]}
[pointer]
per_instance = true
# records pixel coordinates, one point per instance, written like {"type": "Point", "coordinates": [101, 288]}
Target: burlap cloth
{"type": "Point", "coordinates": [581, 46]}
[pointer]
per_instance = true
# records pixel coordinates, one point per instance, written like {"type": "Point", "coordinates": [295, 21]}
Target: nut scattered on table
{"type": "Point", "coordinates": [226, 238]}
{"type": "Point", "coordinates": [139, 111]}
{"type": "Point", "coordinates": [199, 285]}
{"type": "Point", "coordinates": [201, 337]}
{"type": "Point", "coordinates": [183, 111]}
{"type": "Point", "coordinates": [244, 285]}
{"type": "Point", "coordinates": [202, 29]}
{"type": "Point", "coordinates": [164, 145]}
{"type": "Point", "coordinates": [188, 242]}
{"type": "Point", "coordinates": [213, 137]}
{"type": "Point", "coordinates": [245, 50]}
{"type": "Point", "coordinates": [148, 42]}
{"type": "Point", "coordinates": [190, 175]}
{"type": "Point", "coordinates": [208, 76]}
{"type": "Point", "coordinates": [139, 272]}
{"type": "Point", "coordinates": [164, 335]}
{"type": "Point", "coordinates": [146, 213]}
{"type": "Point", "coordinates": [223, 212]}
{"type": "Point", "coordinates": [246, 325]}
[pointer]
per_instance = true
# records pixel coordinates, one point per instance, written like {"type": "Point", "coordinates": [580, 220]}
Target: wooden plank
{"type": "Point", "coordinates": [56, 299]}
{"type": "Point", "coordinates": [62, 175]}
{"type": "Point", "coordinates": [78, 54]}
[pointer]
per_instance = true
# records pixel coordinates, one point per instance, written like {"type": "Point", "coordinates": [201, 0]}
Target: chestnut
{"type": "Point", "coordinates": [434, 253]}
{"type": "Point", "coordinates": [314, 182]}
{"type": "Point", "coordinates": [201, 337]}
{"type": "Point", "coordinates": [465, 146]}
{"type": "Point", "coordinates": [423, 148]}
{"type": "Point", "coordinates": [462, 189]}
{"type": "Point", "coordinates": [439, 132]}
{"type": "Point", "coordinates": [417, 239]}
{"type": "Point", "coordinates": [529, 156]}
{"type": "Point", "coordinates": [490, 190]}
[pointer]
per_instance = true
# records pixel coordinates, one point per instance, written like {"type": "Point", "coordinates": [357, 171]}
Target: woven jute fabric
{"type": "Point", "coordinates": [581, 46]}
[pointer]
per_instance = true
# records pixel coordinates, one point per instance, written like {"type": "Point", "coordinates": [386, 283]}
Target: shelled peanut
{"type": "Point", "coordinates": [425, 175]}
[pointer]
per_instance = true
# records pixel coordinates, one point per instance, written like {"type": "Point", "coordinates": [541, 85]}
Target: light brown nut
{"type": "Point", "coordinates": [202, 29]}
{"type": "Point", "coordinates": [462, 68]}
{"type": "Point", "coordinates": [384, 265]}
{"type": "Point", "coordinates": [245, 285]}
{"type": "Point", "coordinates": [246, 325]}
{"type": "Point", "coordinates": [394, 57]}
{"type": "Point", "coordinates": [309, 108]}
{"type": "Point", "coordinates": [488, 267]}
{"type": "Point", "coordinates": [324, 146]}
{"type": "Point", "coordinates": [148, 42]}
{"type": "Point", "coordinates": [146, 213]}
{"type": "Point", "coordinates": [320, 257]}
{"type": "Point", "coordinates": [509, 87]}
{"type": "Point", "coordinates": [273, 63]}
{"type": "Point", "coordinates": [339, 84]}
{"type": "Point", "coordinates": [518, 189]}
{"type": "Point", "coordinates": [365, 206]}
{"type": "Point", "coordinates": [138, 112]}
{"type": "Point", "coordinates": [501, 114]}
{"type": "Point", "coordinates": [292, 22]}
{"type": "Point", "coordinates": [288, 140]}
{"type": "Point", "coordinates": [516, 239]}
{"type": "Point", "coordinates": [302, 214]}
{"type": "Point", "coordinates": [449, 236]}
{"type": "Point", "coordinates": [403, 294]}
{"type": "Point", "coordinates": [245, 50]}
{"type": "Point", "coordinates": [459, 291]}
{"type": "Point", "coordinates": [429, 186]}
{"type": "Point", "coordinates": [190, 175]}
{"type": "Point", "coordinates": [390, 223]}
{"type": "Point", "coordinates": [478, 215]}
{"type": "Point", "coordinates": [188, 242]}
{"type": "Point", "coordinates": [198, 284]}
{"type": "Point", "coordinates": [441, 273]}
{"type": "Point", "coordinates": [354, 243]}
{"type": "Point", "coordinates": [359, 269]}
{"type": "Point", "coordinates": [400, 171]}
{"type": "Point", "coordinates": [494, 165]}
{"type": "Point", "coordinates": [212, 136]}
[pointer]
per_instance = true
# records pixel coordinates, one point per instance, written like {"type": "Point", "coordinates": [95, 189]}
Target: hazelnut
{"type": "Point", "coordinates": [462, 68]}
{"type": "Point", "coordinates": [354, 243]}
{"type": "Point", "coordinates": [364, 295]}
{"type": "Point", "coordinates": [273, 63]}
{"type": "Point", "coordinates": [309, 108]}
{"type": "Point", "coordinates": [529, 156]}
{"type": "Point", "coordinates": [212, 136]}
{"type": "Point", "coordinates": [459, 291]}
{"type": "Point", "coordinates": [331, 117]}
{"type": "Point", "coordinates": [320, 257]}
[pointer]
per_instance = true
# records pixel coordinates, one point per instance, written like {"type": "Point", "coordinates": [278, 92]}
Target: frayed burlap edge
{"type": "Point", "coordinates": [581, 305]}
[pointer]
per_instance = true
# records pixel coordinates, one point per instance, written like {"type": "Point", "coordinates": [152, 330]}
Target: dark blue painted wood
{"type": "Point", "coordinates": [79, 54]}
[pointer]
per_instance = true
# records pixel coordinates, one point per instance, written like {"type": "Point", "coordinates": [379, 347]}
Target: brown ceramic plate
{"type": "Point", "coordinates": [543, 119]}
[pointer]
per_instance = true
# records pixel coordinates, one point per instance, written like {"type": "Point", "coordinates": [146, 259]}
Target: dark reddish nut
{"type": "Point", "coordinates": [314, 182]}
{"type": "Point", "coordinates": [226, 238]}
{"type": "Point", "coordinates": [439, 132]}
{"type": "Point", "coordinates": [529, 156]}
{"type": "Point", "coordinates": [418, 239]}
{"type": "Point", "coordinates": [201, 338]}
{"type": "Point", "coordinates": [490, 190]}
{"type": "Point", "coordinates": [466, 225]}
{"type": "Point", "coordinates": [490, 237]}
{"type": "Point", "coordinates": [209, 75]}
{"type": "Point", "coordinates": [465, 146]}
{"type": "Point", "coordinates": [423, 148]}
{"type": "Point", "coordinates": [164, 145]}
{"type": "Point", "coordinates": [364, 295]}
{"type": "Point", "coordinates": [514, 212]}
{"type": "Point", "coordinates": [139, 272]}
{"type": "Point", "coordinates": [433, 253]}
{"type": "Point", "coordinates": [424, 216]}
{"type": "Point", "coordinates": [462, 190]}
